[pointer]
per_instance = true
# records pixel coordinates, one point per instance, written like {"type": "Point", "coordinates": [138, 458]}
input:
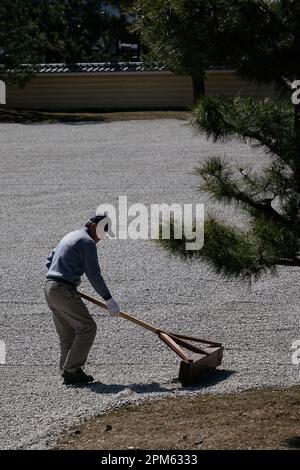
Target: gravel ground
{"type": "Point", "coordinates": [52, 178]}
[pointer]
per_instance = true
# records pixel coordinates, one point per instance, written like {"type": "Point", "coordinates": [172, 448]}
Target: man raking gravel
{"type": "Point", "coordinates": [75, 255]}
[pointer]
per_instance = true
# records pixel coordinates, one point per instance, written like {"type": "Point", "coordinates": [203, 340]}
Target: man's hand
{"type": "Point", "coordinates": [113, 307]}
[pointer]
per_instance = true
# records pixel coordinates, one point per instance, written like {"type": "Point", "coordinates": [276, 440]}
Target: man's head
{"type": "Point", "coordinates": [98, 227]}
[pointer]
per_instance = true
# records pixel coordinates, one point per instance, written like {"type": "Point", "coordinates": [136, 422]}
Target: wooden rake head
{"type": "Point", "coordinates": [195, 359]}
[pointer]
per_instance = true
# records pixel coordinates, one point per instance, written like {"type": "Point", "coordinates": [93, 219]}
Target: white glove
{"type": "Point", "coordinates": [113, 307]}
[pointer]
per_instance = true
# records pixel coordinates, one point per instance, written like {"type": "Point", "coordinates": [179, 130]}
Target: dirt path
{"type": "Point", "coordinates": [268, 419]}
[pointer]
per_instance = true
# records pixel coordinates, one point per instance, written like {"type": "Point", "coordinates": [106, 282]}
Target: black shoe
{"type": "Point", "coordinates": [77, 377]}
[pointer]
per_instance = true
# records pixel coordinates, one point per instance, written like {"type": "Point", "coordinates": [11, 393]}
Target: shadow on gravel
{"type": "Point", "coordinates": [11, 116]}
{"type": "Point", "coordinates": [98, 387]}
{"type": "Point", "coordinates": [207, 380]}
{"type": "Point", "coordinates": [293, 442]}
{"type": "Point", "coordinates": [211, 378]}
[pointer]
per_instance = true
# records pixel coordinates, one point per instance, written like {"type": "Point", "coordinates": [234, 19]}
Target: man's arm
{"type": "Point", "coordinates": [92, 270]}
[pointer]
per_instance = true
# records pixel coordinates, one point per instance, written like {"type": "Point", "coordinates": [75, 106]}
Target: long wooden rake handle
{"type": "Point", "coordinates": [161, 334]}
{"type": "Point", "coordinates": [172, 340]}
{"type": "Point", "coordinates": [131, 318]}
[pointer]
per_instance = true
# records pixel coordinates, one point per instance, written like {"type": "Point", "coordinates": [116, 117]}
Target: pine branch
{"type": "Point", "coordinates": [237, 253]}
{"type": "Point", "coordinates": [219, 181]}
{"type": "Point", "coordinates": [263, 124]}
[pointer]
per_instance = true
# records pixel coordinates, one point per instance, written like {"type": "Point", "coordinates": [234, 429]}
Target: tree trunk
{"type": "Point", "coordinates": [198, 87]}
{"type": "Point", "coordinates": [297, 156]}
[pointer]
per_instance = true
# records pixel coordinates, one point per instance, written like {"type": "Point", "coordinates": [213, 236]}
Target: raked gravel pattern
{"type": "Point", "coordinates": [53, 176]}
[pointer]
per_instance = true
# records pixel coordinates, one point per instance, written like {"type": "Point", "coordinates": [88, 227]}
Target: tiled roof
{"type": "Point", "coordinates": [98, 67]}
{"type": "Point", "coordinates": [94, 67]}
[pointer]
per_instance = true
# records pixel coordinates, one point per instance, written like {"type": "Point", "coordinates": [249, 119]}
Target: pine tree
{"type": "Point", "coordinates": [270, 199]}
{"type": "Point", "coordinates": [187, 35]}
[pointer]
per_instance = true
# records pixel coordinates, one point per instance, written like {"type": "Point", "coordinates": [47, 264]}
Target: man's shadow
{"type": "Point", "coordinates": [206, 380]}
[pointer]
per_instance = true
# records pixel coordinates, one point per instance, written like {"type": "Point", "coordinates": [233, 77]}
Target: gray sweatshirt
{"type": "Point", "coordinates": [75, 255]}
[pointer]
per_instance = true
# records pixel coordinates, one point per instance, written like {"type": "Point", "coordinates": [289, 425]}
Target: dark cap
{"type": "Point", "coordinates": [97, 218]}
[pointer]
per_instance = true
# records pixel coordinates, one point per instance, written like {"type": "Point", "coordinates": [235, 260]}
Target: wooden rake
{"type": "Point", "coordinates": [195, 359]}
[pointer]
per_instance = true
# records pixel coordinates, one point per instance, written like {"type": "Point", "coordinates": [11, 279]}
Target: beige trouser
{"type": "Point", "coordinates": [75, 327]}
